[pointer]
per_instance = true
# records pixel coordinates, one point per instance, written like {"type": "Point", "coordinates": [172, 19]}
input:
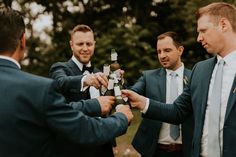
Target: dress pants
{"type": "Point", "coordinates": [69, 149]}
{"type": "Point", "coordinates": [162, 153]}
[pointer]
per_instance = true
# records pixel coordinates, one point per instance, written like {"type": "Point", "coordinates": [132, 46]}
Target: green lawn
{"type": "Point", "coordinates": [124, 147]}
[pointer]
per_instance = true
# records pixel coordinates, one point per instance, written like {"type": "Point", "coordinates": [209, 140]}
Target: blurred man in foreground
{"type": "Point", "coordinates": [31, 109]}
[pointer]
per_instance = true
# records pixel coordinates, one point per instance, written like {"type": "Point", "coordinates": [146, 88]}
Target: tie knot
{"type": "Point", "coordinates": [89, 69]}
{"type": "Point", "coordinates": [173, 74]}
{"type": "Point", "coordinates": [221, 62]}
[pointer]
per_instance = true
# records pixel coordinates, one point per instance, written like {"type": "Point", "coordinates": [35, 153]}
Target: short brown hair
{"type": "Point", "coordinates": [219, 10]}
{"type": "Point", "coordinates": [177, 40]}
{"type": "Point", "coordinates": [11, 30]}
{"type": "Point", "coordinates": [81, 28]}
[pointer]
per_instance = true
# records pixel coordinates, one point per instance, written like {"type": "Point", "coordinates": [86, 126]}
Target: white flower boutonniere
{"type": "Point", "coordinates": [186, 80]}
{"type": "Point", "coordinates": [234, 91]}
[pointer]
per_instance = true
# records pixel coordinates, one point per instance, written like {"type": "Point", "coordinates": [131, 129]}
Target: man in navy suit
{"type": "Point", "coordinates": [32, 110]}
{"type": "Point", "coordinates": [216, 26]}
{"type": "Point", "coordinates": [153, 136]}
{"type": "Point", "coordinates": [79, 80]}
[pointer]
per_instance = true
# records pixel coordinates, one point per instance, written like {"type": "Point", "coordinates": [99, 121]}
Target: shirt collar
{"type": "Point", "coordinates": [229, 59]}
{"type": "Point", "coordinates": [79, 64]}
{"type": "Point", "coordinates": [178, 71]}
{"type": "Point", "coordinates": [10, 59]}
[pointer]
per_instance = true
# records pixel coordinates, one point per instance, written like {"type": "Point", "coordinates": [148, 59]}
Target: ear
{"type": "Point", "coordinates": [180, 50]}
{"type": "Point", "coordinates": [71, 45]}
{"type": "Point", "coordinates": [224, 24]}
{"type": "Point", "coordinates": [23, 42]}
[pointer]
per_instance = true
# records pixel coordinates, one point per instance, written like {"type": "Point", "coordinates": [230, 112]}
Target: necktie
{"type": "Point", "coordinates": [214, 114]}
{"type": "Point", "coordinates": [174, 129]}
{"type": "Point", "coordinates": [89, 69]}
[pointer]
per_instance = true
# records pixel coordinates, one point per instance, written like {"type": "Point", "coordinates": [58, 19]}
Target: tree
{"type": "Point", "coordinates": [131, 27]}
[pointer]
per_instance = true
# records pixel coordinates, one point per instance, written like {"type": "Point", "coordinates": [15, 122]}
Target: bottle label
{"type": "Point", "coordinates": [114, 56]}
{"type": "Point", "coordinates": [94, 92]}
{"type": "Point", "coordinates": [103, 90]}
{"type": "Point", "coordinates": [117, 91]}
{"type": "Point", "coordinates": [110, 84]}
{"type": "Point", "coordinates": [118, 75]}
{"type": "Point", "coordinates": [116, 80]}
{"type": "Point", "coordinates": [106, 69]}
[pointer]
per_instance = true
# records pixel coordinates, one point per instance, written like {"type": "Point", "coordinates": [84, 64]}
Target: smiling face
{"type": "Point", "coordinates": [168, 53]}
{"type": "Point", "coordinates": [210, 34]}
{"type": "Point", "coordinates": [82, 45]}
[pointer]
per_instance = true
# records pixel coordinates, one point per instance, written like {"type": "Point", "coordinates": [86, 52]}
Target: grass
{"type": "Point", "coordinates": [124, 147]}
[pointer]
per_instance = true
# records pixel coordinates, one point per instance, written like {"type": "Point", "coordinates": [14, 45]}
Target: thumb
{"type": "Point", "coordinates": [126, 92]}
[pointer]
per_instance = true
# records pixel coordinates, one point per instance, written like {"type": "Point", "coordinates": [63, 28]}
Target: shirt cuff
{"type": "Point", "coordinates": [82, 89]}
{"type": "Point", "coordinates": [146, 106]}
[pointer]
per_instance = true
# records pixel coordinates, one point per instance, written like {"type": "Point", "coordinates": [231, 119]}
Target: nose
{"type": "Point", "coordinates": [85, 48]}
{"type": "Point", "coordinates": [161, 55]}
{"type": "Point", "coordinates": [199, 38]}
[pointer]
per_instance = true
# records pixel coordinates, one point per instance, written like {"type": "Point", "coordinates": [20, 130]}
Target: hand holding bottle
{"type": "Point", "coordinates": [135, 100]}
{"type": "Point", "coordinates": [97, 80]}
{"type": "Point", "coordinates": [106, 103]}
{"type": "Point", "coordinates": [126, 111]}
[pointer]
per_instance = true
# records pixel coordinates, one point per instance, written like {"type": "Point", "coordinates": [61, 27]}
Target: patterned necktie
{"type": "Point", "coordinates": [214, 114]}
{"type": "Point", "coordinates": [174, 129]}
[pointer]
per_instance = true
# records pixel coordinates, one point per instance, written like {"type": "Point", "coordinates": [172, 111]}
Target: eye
{"type": "Point", "coordinates": [202, 31]}
{"type": "Point", "coordinates": [80, 44]}
{"type": "Point", "coordinates": [89, 44]}
{"type": "Point", "coordinates": [167, 50]}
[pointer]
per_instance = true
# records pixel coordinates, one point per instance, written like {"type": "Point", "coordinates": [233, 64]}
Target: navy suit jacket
{"type": "Point", "coordinates": [194, 101]}
{"type": "Point", "coordinates": [32, 112]}
{"type": "Point", "coordinates": [69, 76]}
{"type": "Point", "coordinates": [152, 84]}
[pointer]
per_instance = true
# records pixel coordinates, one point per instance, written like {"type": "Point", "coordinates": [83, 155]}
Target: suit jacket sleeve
{"type": "Point", "coordinates": [172, 113]}
{"type": "Point", "coordinates": [67, 84]}
{"type": "Point", "coordinates": [139, 86]}
{"type": "Point", "coordinates": [75, 125]}
{"type": "Point", "coordinates": [89, 108]}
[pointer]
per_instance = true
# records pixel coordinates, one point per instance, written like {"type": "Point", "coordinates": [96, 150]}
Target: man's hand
{"type": "Point", "coordinates": [126, 111]}
{"type": "Point", "coordinates": [136, 100]}
{"type": "Point", "coordinates": [96, 80]}
{"type": "Point", "coordinates": [106, 103]}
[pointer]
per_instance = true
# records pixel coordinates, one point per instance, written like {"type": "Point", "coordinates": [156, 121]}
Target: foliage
{"type": "Point", "coordinates": [130, 27]}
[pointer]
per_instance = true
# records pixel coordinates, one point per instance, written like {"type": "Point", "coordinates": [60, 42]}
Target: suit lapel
{"type": "Point", "coordinates": [75, 69]}
{"type": "Point", "coordinates": [186, 77]}
{"type": "Point", "coordinates": [161, 84]}
{"type": "Point", "coordinates": [232, 98]}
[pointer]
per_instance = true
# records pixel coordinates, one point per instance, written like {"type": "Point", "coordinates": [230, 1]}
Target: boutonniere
{"type": "Point", "coordinates": [186, 80]}
{"type": "Point", "coordinates": [234, 91]}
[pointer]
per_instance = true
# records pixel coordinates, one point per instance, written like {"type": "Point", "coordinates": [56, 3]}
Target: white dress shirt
{"type": "Point", "coordinates": [229, 73]}
{"type": "Point", "coordinates": [164, 136]}
{"type": "Point", "coordinates": [94, 93]}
